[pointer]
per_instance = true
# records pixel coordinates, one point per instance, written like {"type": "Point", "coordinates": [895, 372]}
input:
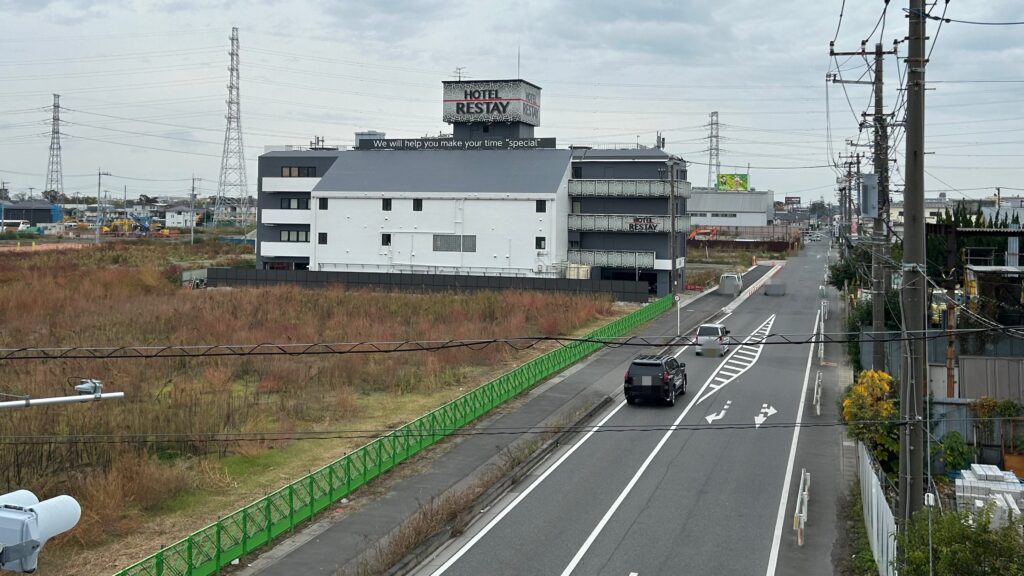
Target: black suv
{"type": "Point", "coordinates": [655, 376]}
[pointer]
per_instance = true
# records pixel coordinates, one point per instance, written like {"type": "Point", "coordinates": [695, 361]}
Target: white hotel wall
{"type": "Point", "coordinates": [505, 226]}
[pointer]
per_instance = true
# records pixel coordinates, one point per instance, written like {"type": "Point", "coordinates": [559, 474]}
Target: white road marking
{"type": "Point", "coordinates": [712, 417]}
{"type": "Point", "coordinates": [629, 487]}
{"type": "Point", "coordinates": [494, 521]}
{"type": "Point", "coordinates": [773, 557]}
{"type": "Point", "coordinates": [763, 415]}
{"type": "Point", "coordinates": [734, 365]}
{"type": "Point", "coordinates": [634, 574]}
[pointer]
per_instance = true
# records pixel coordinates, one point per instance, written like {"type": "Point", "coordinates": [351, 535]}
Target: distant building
{"type": "Point", "coordinates": [181, 217]}
{"type": "Point", "coordinates": [491, 199]}
{"type": "Point", "coordinates": [710, 207]}
{"type": "Point", "coordinates": [36, 212]}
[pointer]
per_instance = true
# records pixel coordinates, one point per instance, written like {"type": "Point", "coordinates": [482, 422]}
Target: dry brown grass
{"type": "Point", "coordinates": [127, 293]}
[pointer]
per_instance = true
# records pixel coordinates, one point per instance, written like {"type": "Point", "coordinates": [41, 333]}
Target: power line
{"type": "Point", "coordinates": [951, 20]}
{"type": "Point", "coordinates": [405, 346]}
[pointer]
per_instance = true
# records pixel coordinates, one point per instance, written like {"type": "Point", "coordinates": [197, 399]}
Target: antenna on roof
{"type": "Point", "coordinates": [519, 50]}
{"type": "Point", "coordinates": [458, 72]}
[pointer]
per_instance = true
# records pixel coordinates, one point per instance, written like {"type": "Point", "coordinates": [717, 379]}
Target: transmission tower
{"type": "Point", "coordinates": [54, 172]}
{"type": "Point", "coordinates": [233, 199]}
{"type": "Point", "coordinates": [714, 161]}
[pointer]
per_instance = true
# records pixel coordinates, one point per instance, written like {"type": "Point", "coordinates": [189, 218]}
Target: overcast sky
{"type": "Point", "coordinates": [143, 84]}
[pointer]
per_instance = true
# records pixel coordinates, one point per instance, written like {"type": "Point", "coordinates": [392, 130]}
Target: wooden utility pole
{"type": "Point", "coordinates": [914, 384]}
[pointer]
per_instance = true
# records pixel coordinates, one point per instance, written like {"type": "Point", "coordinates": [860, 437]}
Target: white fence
{"type": "Point", "coordinates": [878, 518]}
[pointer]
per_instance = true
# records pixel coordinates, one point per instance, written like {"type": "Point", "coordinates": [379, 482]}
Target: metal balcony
{"type": "Point", "coordinates": [628, 188]}
{"type": "Point", "coordinates": [626, 223]}
{"type": "Point", "coordinates": [612, 258]}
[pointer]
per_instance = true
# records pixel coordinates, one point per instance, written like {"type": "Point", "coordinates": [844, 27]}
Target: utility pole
{"type": "Point", "coordinates": [672, 279]}
{"type": "Point", "coordinates": [915, 381]}
{"type": "Point", "coordinates": [99, 184]}
{"type": "Point", "coordinates": [192, 213]}
{"type": "Point", "coordinates": [880, 254]}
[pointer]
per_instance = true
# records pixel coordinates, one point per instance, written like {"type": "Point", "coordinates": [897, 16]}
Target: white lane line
{"type": "Point", "coordinates": [681, 350]}
{"type": "Point", "coordinates": [494, 521]}
{"type": "Point", "coordinates": [773, 557]}
{"type": "Point", "coordinates": [629, 487]}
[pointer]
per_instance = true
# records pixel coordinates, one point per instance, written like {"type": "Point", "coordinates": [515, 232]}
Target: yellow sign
{"type": "Point", "coordinates": [732, 182]}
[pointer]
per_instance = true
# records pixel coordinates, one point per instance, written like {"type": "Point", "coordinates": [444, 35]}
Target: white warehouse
{"type": "Point", "coordinates": [439, 211]}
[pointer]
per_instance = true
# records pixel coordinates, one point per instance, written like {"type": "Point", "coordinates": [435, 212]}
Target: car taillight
{"type": "Point", "coordinates": [628, 379]}
{"type": "Point", "coordinates": [665, 377]}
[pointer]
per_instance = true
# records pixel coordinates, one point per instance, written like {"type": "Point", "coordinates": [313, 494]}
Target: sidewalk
{"type": "Point", "coordinates": [827, 454]}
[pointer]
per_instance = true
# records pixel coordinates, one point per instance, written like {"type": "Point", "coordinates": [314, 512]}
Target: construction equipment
{"type": "Point", "coordinates": [703, 234]}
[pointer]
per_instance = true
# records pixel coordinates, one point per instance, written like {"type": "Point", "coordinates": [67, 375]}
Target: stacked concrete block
{"type": "Point", "coordinates": [986, 485]}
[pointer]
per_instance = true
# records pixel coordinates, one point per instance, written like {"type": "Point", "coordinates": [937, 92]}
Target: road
{"type": "Point", "coordinates": [702, 488]}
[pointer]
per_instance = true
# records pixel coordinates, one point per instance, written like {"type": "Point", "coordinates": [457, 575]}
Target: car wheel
{"type": "Point", "coordinates": [684, 384]}
{"type": "Point", "coordinates": [672, 396]}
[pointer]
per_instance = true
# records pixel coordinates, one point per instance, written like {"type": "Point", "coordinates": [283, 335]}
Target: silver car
{"type": "Point", "coordinates": [712, 336]}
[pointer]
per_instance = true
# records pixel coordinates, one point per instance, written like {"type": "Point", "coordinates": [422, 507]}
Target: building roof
{"type": "Point", "coordinates": [180, 208]}
{"type": "Point", "coordinates": [298, 152]}
{"type": "Point", "coordinates": [725, 201]}
{"type": "Point", "coordinates": [483, 171]}
{"type": "Point", "coordinates": [28, 205]}
{"type": "Point", "coordinates": [616, 154]}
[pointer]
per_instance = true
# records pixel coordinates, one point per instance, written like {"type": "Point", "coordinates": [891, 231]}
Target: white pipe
{"type": "Point", "coordinates": [27, 402]}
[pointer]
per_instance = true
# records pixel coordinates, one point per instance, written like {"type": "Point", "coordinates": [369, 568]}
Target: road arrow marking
{"type": "Point", "coordinates": [712, 417]}
{"type": "Point", "coordinates": [766, 411]}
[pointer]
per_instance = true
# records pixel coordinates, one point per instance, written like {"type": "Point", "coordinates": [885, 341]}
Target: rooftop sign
{"type": "Point", "coordinates": [453, 144]}
{"type": "Point", "coordinates": [492, 101]}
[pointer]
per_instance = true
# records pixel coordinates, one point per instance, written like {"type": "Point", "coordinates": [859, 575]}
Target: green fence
{"type": "Point", "coordinates": [215, 546]}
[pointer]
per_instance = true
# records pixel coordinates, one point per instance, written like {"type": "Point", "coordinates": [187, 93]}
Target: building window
{"type": "Point", "coordinates": [417, 205]}
{"type": "Point", "coordinates": [542, 206]}
{"type": "Point", "coordinates": [385, 239]}
{"type": "Point", "coordinates": [321, 238]}
{"type": "Point", "coordinates": [454, 243]}
{"type": "Point", "coordinates": [294, 236]}
{"type": "Point", "coordinates": [298, 171]}
{"type": "Point", "coordinates": [577, 207]}
{"type": "Point", "coordinates": [574, 244]}
{"type": "Point", "coordinates": [323, 203]}
{"type": "Point", "coordinates": [295, 203]}
{"type": "Point", "coordinates": [385, 204]}
{"type": "Point", "coordinates": [577, 171]}
{"type": "Point", "coordinates": [540, 243]}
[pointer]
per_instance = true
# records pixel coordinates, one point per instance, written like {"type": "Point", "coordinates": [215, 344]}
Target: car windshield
{"type": "Point", "coordinates": [707, 331]}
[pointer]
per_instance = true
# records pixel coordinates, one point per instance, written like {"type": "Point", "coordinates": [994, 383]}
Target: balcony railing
{"type": "Point", "coordinates": [626, 223]}
{"type": "Point", "coordinates": [279, 216]}
{"type": "Point", "coordinates": [628, 188]}
{"type": "Point", "coordinates": [612, 258]}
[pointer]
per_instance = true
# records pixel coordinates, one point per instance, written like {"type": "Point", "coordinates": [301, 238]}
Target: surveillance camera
{"type": "Point", "coordinates": [89, 386]}
{"type": "Point", "coordinates": [26, 524]}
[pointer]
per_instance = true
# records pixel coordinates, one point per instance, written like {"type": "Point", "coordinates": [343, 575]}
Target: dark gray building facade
{"type": "Point", "coordinates": [620, 223]}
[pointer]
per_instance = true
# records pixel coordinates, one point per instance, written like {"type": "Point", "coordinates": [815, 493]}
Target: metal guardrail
{"type": "Point", "coordinates": [800, 514]}
{"type": "Point", "coordinates": [817, 394]}
{"type": "Point", "coordinates": [209, 549]}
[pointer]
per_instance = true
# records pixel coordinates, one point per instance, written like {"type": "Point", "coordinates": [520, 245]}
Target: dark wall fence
{"type": "Point", "coordinates": [622, 290]}
{"type": "Point", "coordinates": [766, 245]}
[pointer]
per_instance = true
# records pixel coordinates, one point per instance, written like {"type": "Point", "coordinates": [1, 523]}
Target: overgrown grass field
{"type": "Point", "coordinates": [136, 462]}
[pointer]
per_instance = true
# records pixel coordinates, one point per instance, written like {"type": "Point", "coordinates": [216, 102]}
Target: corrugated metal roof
{"type": "Point", "coordinates": [28, 205]}
{"type": "Point", "coordinates": [729, 202]}
{"type": "Point", "coordinates": [484, 171]}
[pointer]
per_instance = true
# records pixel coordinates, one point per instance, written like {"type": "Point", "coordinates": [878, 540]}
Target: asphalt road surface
{"type": "Point", "coordinates": [704, 487]}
